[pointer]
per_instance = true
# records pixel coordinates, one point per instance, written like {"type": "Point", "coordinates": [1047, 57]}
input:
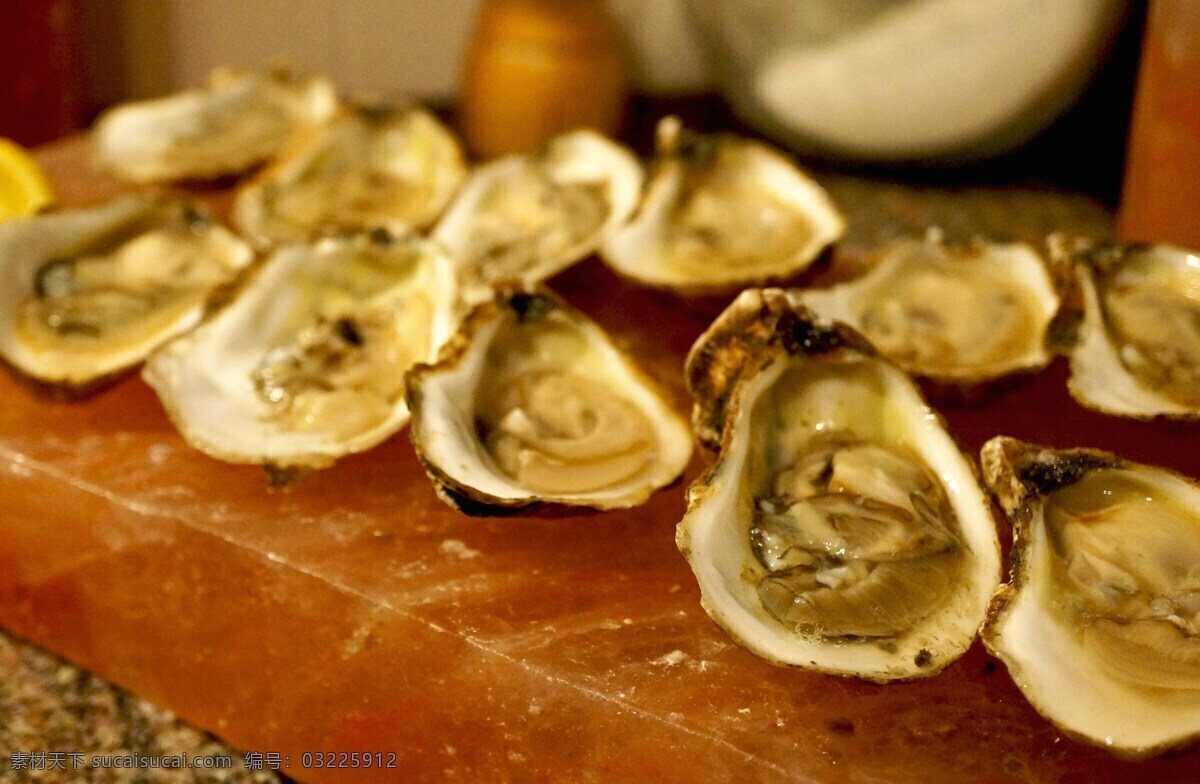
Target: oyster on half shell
{"type": "Point", "coordinates": [721, 213]}
{"type": "Point", "coordinates": [529, 217]}
{"type": "Point", "coordinates": [955, 314]}
{"type": "Point", "coordinates": [90, 292]}
{"type": "Point", "coordinates": [531, 405]}
{"type": "Point", "coordinates": [370, 166]}
{"type": "Point", "coordinates": [308, 363]}
{"type": "Point", "coordinates": [1099, 624]}
{"type": "Point", "coordinates": [1136, 351]}
{"type": "Point", "coordinates": [238, 120]}
{"type": "Point", "coordinates": [840, 528]}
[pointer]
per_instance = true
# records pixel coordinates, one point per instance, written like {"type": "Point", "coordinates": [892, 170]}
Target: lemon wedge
{"type": "Point", "coordinates": [24, 188]}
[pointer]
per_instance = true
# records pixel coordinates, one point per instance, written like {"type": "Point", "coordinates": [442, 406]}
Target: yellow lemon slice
{"type": "Point", "coordinates": [24, 188]}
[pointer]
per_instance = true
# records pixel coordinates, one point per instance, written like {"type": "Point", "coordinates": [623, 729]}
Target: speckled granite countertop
{"type": "Point", "coordinates": [73, 719]}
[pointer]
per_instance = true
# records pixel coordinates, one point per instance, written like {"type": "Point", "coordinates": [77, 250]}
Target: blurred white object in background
{"type": "Point", "coordinates": [912, 80]}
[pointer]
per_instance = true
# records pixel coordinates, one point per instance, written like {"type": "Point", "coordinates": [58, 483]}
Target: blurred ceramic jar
{"type": "Point", "coordinates": [535, 68]}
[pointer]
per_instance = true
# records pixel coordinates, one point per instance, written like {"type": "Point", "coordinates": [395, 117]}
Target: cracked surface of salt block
{"type": "Point", "coordinates": [356, 612]}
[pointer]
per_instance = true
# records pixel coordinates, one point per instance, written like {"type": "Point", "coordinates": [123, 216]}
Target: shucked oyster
{"type": "Point", "coordinates": [1100, 622]}
{"type": "Point", "coordinates": [238, 120]}
{"type": "Point", "coordinates": [958, 315]}
{"type": "Point", "coordinates": [840, 528]}
{"type": "Point", "coordinates": [528, 217]}
{"type": "Point", "coordinates": [308, 363]}
{"type": "Point", "coordinates": [371, 166]}
{"type": "Point", "coordinates": [91, 292]}
{"type": "Point", "coordinates": [721, 213]}
{"type": "Point", "coordinates": [1137, 348]}
{"type": "Point", "coordinates": [532, 404]}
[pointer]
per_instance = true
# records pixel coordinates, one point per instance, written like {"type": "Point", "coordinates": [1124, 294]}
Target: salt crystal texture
{"type": "Point", "coordinates": [351, 612]}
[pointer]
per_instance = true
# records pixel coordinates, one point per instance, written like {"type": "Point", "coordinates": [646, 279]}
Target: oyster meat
{"type": "Point", "coordinates": [528, 217]}
{"type": "Point", "coordinates": [308, 363]}
{"type": "Point", "coordinates": [721, 213]}
{"type": "Point", "coordinates": [91, 292]}
{"type": "Point", "coordinates": [1099, 624]}
{"type": "Point", "coordinates": [840, 528]}
{"type": "Point", "coordinates": [532, 405]}
{"type": "Point", "coordinates": [240, 119]}
{"type": "Point", "coordinates": [955, 314]}
{"type": "Point", "coordinates": [1137, 346]}
{"type": "Point", "coordinates": [395, 167]}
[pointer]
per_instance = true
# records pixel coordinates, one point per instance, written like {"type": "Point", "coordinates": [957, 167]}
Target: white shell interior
{"type": "Point", "coordinates": [1051, 668]}
{"type": "Point", "coordinates": [577, 157]}
{"type": "Point", "coordinates": [409, 146]}
{"type": "Point", "coordinates": [1014, 262]}
{"type": "Point", "coordinates": [1098, 377]}
{"type": "Point", "coordinates": [205, 379]}
{"type": "Point", "coordinates": [221, 128]}
{"type": "Point", "coordinates": [714, 535]}
{"type": "Point", "coordinates": [445, 428]}
{"type": "Point", "coordinates": [28, 244]}
{"type": "Point", "coordinates": [634, 249]}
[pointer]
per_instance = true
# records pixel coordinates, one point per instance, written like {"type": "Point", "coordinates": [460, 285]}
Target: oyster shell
{"type": "Point", "coordinates": [532, 405]}
{"type": "Point", "coordinates": [91, 292]}
{"type": "Point", "coordinates": [396, 167]}
{"type": "Point", "coordinates": [1137, 349]}
{"type": "Point", "coordinates": [1099, 624]}
{"type": "Point", "coordinates": [238, 120]}
{"type": "Point", "coordinates": [721, 213]}
{"type": "Point", "coordinates": [955, 314]}
{"type": "Point", "coordinates": [308, 363]}
{"type": "Point", "coordinates": [840, 528]}
{"type": "Point", "coordinates": [528, 217]}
